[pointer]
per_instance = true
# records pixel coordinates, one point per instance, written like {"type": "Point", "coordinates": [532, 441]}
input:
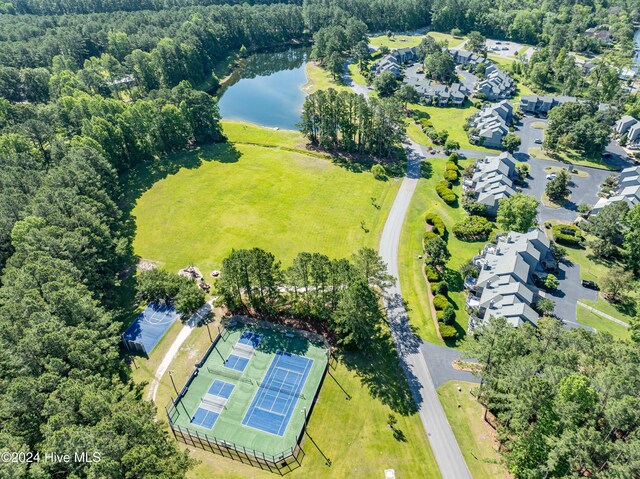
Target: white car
{"type": "Point", "coordinates": [551, 176]}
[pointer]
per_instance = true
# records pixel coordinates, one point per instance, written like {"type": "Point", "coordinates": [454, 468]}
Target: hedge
{"type": "Point", "coordinates": [447, 332]}
{"type": "Point", "coordinates": [436, 223]}
{"type": "Point", "coordinates": [440, 302]}
{"type": "Point", "coordinates": [432, 274]}
{"type": "Point", "coordinates": [440, 316]}
{"type": "Point", "coordinates": [429, 235]}
{"type": "Point", "coordinates": [567, 234]}
{"type": "Point", "coordinates": [443, 188]}
{"type": "Point", "coordinates": [449, 315]}
{"type": "Point", "coordinates": [473, 228]}
{"type": "Point", "coordinates": [451, 175]}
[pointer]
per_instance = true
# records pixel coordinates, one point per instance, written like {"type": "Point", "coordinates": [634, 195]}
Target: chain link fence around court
{"type": "Point", "coordinates": [281, 463]}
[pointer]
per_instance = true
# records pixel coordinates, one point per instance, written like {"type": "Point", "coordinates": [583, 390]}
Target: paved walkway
{"type": "Point", "coordinates": [604, 315]}
{"type": "Point", "coordinates": [182, 336]}
{"type": "Point", "coordinates": [443, 443]}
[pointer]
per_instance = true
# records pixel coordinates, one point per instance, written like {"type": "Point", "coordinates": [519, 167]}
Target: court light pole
{"type": "Point", "coordinates": [172, 382]}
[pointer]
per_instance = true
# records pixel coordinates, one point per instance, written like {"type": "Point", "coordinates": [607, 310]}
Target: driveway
{"type": "Point", "coordinates": [468, 79]}
{"type": "Point", "coordinates": [569, 292]}
{"type": "Point", "coordinates": [439, 361]}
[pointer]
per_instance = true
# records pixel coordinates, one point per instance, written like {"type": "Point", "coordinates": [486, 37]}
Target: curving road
{"type": "Point", "coordinates": [443, 442]}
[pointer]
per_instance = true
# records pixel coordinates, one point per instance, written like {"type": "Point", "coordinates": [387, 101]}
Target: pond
{"type": "Point", "coordinates": [267, 90]}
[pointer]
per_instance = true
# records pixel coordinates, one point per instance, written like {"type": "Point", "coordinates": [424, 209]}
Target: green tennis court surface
{"type": "Point", "coordinates": [253, 389]}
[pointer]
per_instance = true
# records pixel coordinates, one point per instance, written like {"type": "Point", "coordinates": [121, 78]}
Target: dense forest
{"type": "Point", "coordinates": [566, 402]}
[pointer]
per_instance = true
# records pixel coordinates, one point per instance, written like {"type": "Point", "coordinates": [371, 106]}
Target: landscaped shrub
{"type": "Point", "coordinates": [437, 225]}
{"type": "Point", "coordinates": [567, 234]}
{"type": "Point", "coordinates": [449, 315]}
{"type": "Point", "coordinates": [432, 274]}
{"type": "Point", "coordinates": [425, 123]}
{"type": "Point", "coordinates": [450, 165]}
{"type": "Point", "coordinates": [447, 332]}
{"type": "Point", "coordinates": [443, 188]}
{"type": "Point", "coordinates": [440, 302]}
{"type": "Point", "coordinates": [473, 228]}
{"type": "Point", "coordinates": [472, 207]}
{"type": "Point", "coordinates": [453, 157]}
{"type": "Point", "coordinates": [451, 175]}
{"type": "Point", "coordinates": [428, 235]}
{"type": "Point", "coordinates": [440, 316]}
{"type": "Point", "coordinates": [379, 172]}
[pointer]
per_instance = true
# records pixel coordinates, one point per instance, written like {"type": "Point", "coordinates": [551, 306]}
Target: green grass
{"type": "Point", "coordinates": [229, 426]}
{"type": "Point", "coordinates": [589, 318]}
{"type": "Point", "coordinates": [320, 79]}
{"type": "Point", "coordinates": [353, 432]}
{"type": "Point", "coordinates": [475, 437]}
{"type": "Point", "coordinates": [412, 281]}
{"type": "Point", "coordinates": [570, 157]}
{"type": "Point", "coordinates": [240, 132]}
{"type": "Point", "coordinates": [539, 125]}
{"type": "Point", "coordinates": [398, 41]}
{"type": "Point", "coordinates": [450, 39]}
{"type": "Point", "coordinates": [451, 119]}
{"type": "Point", "coordinates": [356, 76]}
{"type": "Point", "coordinates": [194, 207]}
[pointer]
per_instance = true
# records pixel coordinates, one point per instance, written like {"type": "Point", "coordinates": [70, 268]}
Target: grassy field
{"type": "Point", "coordinates": [451, 119]}
{"type": "Point", "coordinates": [475, 437]}
{"type": "Point", "coordinates": [352, 431]}
{"type": "Point", "coordinates": [319, 79]}
{"type": "Point", "coordinates": [412, 281]}
{"type": "Point", "coordinates": [570, 157]}
{"type": "Point", "coordinates": [193, 208]}
{"type": "Point", "coordinates": [404, 41]}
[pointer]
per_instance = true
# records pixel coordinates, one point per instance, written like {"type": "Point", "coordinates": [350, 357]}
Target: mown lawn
{"type": "Point", "coordinates": [589, 318]}
{"type": "Point", "coordinates": [451, 119]}
{"type": "Point", "coordinates": [475, 437]}
{"type": "Point", "coordinates": [570, 157]}
{"type": "Point", "coordinates": [320, 79]}
{"type": "Point", "coordinates": [356, 76]}
{"type": "Point", "coordinates": [397, 41]}
{"type": "Point", "coordinates": [412, 281]}
{"type": "Point", "coordinates": [194, 207]}
{"type": "Point", "coordinates": [450, 39]}
{"type": "Point", "coordinates": [352, 433]}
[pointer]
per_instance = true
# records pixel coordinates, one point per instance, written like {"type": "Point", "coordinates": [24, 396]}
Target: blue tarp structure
{"type": "Point", "coordinates": [149, 327]}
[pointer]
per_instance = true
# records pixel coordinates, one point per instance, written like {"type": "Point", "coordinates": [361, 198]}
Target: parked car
{"type": "Point", "coordinates": [590, 284]}
{"type": "Point", "coordinates": [538, 141]}
{"type": "Point", "coordinates": [551, 176]}
{"type": "Point", "coordinates": [537, 280]}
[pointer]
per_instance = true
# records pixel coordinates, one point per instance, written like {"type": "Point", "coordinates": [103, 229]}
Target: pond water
{"type": "Point", "coordinates": [267, 90]}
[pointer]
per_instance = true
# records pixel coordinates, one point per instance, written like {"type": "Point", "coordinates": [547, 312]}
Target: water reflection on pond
{"type": "Point", "coordinates": [267, 90]}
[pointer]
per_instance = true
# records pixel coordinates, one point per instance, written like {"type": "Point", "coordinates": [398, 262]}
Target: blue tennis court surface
{"type": "Point", "coordinates": [149, 327]}
{"type": "Point", "coordinates": [275, 401]}
{"type": "Point", "coordinates": [236, 362]}
{"type": "Point", "coordinates": [252, 339]}
{"type": "Point", "coordinates": [204, 418]}
{"type": "Point", "coordinates": [221, 389]}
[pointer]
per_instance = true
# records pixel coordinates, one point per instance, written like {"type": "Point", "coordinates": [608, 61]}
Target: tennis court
{"type": "Point", "coordinates": [278, 393]}
{"type": "Point", "coordinates": [253, 389]}
{"type": "Point", "coordinates": [149, 327]}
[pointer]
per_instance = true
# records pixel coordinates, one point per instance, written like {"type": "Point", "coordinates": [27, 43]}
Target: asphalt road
{"type": "Point", "coordinates": [443, 443]}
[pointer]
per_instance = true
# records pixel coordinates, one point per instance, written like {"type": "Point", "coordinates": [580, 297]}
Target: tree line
{"type": "Point", "coordinates": [341, 296]}
{"type": "Point", "coordinates": [350, 122]}
{"type": "Point", "coordinates": [63, 384]}
{"type": "Point", "coordinates": [566, 402]}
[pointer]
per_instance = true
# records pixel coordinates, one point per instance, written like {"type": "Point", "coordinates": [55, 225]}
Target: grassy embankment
{"type": "Point", "coordinates": [475, 437]}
